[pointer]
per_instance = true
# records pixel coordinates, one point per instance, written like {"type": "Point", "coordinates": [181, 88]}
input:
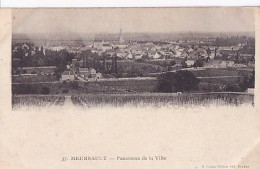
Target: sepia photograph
{"type": "Point", "coordinates": [141, 57]}
{"type": "Point", "coordinates": [133, 87]}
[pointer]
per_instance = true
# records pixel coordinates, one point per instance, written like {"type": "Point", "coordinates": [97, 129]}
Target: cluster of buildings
{"type": "Point", "coordinates": [180, 51]}
{"type": "Point", "coordinates": [74, 72]}
{"type": "Point", "coordinates": [186, 50]}
{"type": "Point", "coordinates": [133, 50]}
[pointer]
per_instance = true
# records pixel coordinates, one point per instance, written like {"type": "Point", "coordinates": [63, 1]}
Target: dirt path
{"type": "Point", "coordinates": [68, 102]}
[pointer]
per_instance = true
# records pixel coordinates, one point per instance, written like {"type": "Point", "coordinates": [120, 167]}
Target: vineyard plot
{"type": "Point", "coordinates": [162, 99]}
{"type": "Point", "coordinates": [135, 100]}
{"type": "Point", "coordinates": [37, 100]}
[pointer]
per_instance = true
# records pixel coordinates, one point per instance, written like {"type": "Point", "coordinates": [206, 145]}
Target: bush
{"type": "Point", "coordinates": [180, 81]}
{"type": "Point", "coordinates": [74, 85]}
{"type": "Point", "coordinates": [65, 91]}
{"type": "Point", "coordinates": [45, 90]}
{"type": "Point", "coordinates": [198, 63]}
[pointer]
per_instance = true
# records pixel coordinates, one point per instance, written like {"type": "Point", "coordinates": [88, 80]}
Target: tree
{"type": "Point", "coordinates": [120, 72]}
{"type": "Point", "coordinates": [198, 63]}
{"type": "Point", "coordinates": [180, 81]}
{"type": "Point", "coordinates": [251, 81]}
{"type": "Point", "coordinates": [184, 64]}
{"type": "Point", "coordinates": [246, 80]}
{"type": "Point", "coordinates": [115, 63]}
{"type": "Point", "coordinates": [172, 63]}
{"type": "Point", "coordinates": [208, 52]}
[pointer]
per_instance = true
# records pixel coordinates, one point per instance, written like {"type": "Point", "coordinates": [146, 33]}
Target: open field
{"type": "Point", "coordinates": [136, 100]}
{"type": "Point", "coordinates": [147, 85]}
{"type": "Point", "coordinates": [212, 72]}
{"type": "Point", "coordinates": [33, 78]}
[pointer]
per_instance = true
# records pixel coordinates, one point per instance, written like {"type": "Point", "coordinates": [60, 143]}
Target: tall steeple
{"type": "Point", "coordinates": [121, 36]}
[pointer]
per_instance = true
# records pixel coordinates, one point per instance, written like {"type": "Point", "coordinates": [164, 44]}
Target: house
{"type": "Point", "coordinates": [239, 65]}
{"type": "Point", "coordinates": [178, 53]}
{"type": "Point", "coordinates": [230, 64]}
{"type": "Point", "coordinates": [25, 47]}
{"type": "Point", "coordinates": [212, 63]}
{"type": "Point", "coordinates": [156, 56]}
{"type": "Point", "coordinates": [212, 55]}
{"type": "Point", "coordinates": [120, 46]}
{"type": "Point", "coordinates": [190, 62]}
{"type": "Point", "coordinates": [110, 52]}
{"type": "Point", "coordinates": [177, 47]}
{"type": "Point", "coordinates": [190, 50]}
{"type": "Point", "coordinates": [93, 72]}
{"type": "Point", "coordinates": [137, 51]}
{"type": "Point", "coordinates": [84, 72]}
{"type": "Point", "coordinates": [129, 56]}
{"type": "Point", "coordinates": [97, 51]}
{"type": "Point", "coordinates": [98, 44]}
{"type": "Point", "coordinates": [33, 53]}
{"type": "Point", "coordinates": [57, 48]}
{"type": "Point", "coordinates": [138, 56]}
{"type": "Point", "coordinates": [121, 54]}
{"type": "Point", "coordinates": [225, 64]}
{"type": "Point", "coordinates": [250, 90]}
{"type": "Point", "coordinates": [150, 53]}
{"type": "Point", "coordinates": [89, 73]}
{"type": "Point", "coordinates": [98, 75]}
{"type": "Point", "coordinates": [67, 75]}
{"type": "Point", "coordinates": [107, 46]}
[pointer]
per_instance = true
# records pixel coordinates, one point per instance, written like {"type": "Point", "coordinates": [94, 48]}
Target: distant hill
{"type": "Point", "coordinates": [128, 36]}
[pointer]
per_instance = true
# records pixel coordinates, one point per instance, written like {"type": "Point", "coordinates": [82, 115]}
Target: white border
{"type": "Point", "coordinates": [125, 3]}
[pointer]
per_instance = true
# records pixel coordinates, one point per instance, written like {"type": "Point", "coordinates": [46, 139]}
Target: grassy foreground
{"type": "Point", "coordinates": [137, 100]}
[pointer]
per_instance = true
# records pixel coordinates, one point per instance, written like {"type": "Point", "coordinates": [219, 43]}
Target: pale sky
{"type": "Point", "coordinates": [157, 20]}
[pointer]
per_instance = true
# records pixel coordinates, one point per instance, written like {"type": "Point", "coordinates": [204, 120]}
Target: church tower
{"type": "Point", "coordinates": [121, 36]}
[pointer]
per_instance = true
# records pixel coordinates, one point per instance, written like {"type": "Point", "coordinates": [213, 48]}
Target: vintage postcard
{"type": "Point", "coordinates": [130, 87]}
